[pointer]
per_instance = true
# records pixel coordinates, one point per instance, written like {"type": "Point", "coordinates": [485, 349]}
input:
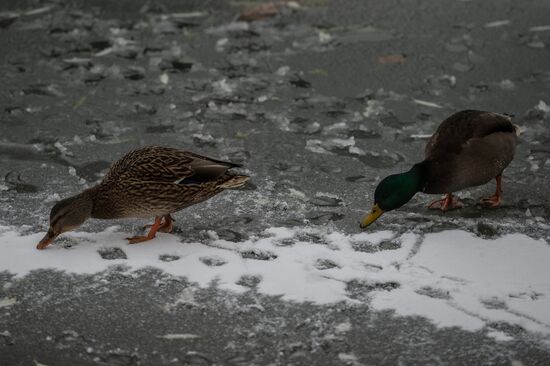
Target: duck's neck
{"type": "Point", "coordinates": [90, 195]}
{"type": "Point", "coordinates": [104, 203]}
{"type": "Point", "coordinates": [412, 181]}
{"type": "Point", "coordinates": [418, 176]}
{"type": "Point", "coordinates": [396, 190]}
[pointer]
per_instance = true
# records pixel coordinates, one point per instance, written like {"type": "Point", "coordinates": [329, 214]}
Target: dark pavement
{"type": "Point", "coordinates": [324, 99]}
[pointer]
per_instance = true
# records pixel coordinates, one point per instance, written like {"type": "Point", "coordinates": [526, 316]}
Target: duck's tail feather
{"type": "Point", "coordinates": [509, 117]}
{"type": "Point", "coordinates": [519, 129]}
{"type": "Point", "coordinates": [234, 181]}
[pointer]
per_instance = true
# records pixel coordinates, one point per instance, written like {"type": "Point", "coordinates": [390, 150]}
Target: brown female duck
{"type": "Point", "coordinates": [150, 181]}
{"type": "Point", "coordinates": [468, 149]}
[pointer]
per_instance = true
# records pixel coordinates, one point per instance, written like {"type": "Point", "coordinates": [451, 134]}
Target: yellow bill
{"type": "Point", "coordinates": [375, 213]}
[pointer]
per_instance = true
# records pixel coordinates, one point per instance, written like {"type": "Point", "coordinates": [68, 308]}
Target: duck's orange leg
{"type": "Point", "coordinates": [167, 225]}
{"type": "Point", "coordinates": [154, 228]}
{"type": "Point", "coordinates": [496, 199]}
{"type": "Point", "coordinates": [450, 202]}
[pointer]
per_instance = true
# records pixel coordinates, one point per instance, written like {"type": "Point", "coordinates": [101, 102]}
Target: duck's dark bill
{"type": "Point", "coordinates": [46, 240]}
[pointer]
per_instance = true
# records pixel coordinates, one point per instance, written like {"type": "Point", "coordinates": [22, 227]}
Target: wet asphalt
{"type": "Point", "coordinates": [323, 99]}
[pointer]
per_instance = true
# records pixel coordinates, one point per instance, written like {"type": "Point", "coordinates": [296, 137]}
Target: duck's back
{"type": "Point", "coordinates": [469, 149]}
{"type": "Point", "coordinates": [156, 180]}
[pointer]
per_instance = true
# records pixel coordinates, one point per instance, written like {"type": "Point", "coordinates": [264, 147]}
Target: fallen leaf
{"type": "Point", "coordinates": [5, 302]}
{"type": "Point", "coordinates": [391, 59]}
{"type": "Point", "coordinates": [259, 12]}
{"type": "Point", "coordinates": [318, 71]}
{"type": "Point", "coordinates": [298, 82]}
{"type": "Point", "coordinates": [293, 5]}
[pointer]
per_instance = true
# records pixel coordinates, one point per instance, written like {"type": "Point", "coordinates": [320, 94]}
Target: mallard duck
{"type": "Point", "coordinates": [469, 149]}
{"type": "Point", "coordinates": [150, 181]}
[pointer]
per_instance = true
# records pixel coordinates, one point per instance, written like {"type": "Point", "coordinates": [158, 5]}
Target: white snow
{"type": "Point", "coordinates": [183, 336]}
{"type": "Point", "coordinates": [542, 106]}
{"type": "Point", "coordinates": [38, 11]}
{"type": "Point", "coordinates": [348, 358]}
{"type": "Point", "coordinates": [507, 84]}
{"type": "Point", "coordinates": [223, 86]}
{"type": "Point", "coordinates": [323, 147]}
{"type": "Point", "coordinates": [54, 197]}
{"type": "Point", "coordinates": [296, 193]}
{"type": "Point", "coordinates": [343, 327]}
{"type": "Point", "coordinates": [427, 103]}
{"type": "Point", "coordinates": [230, 27]}
{"type": "Point", "coordinates": [221, 43]}
{"type": "Point", "coordinates": [373, 108]}
{"type": "Point", "coordinates": [324, 37]}
{"type": "Point", "coordinates": [452, 278]}
{"type": "Point", "coordinates": [164, 78]}
{"type": "Point", "coordinates": [421, 136]}
{"type": "Point", "coordinates": [497, 23]}
{"type": "Point", "coordinates": [540, 28]}
{"type": "Point", "coordinates": [282, 71]}
{"type": "Point", "coordinates": [500, 336]}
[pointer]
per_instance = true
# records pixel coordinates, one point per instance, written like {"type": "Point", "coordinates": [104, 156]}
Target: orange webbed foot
{"type": "Point", "coordinates": [150, 235]}
{"type": "Point", "coordinates": [491, 202]}
{"type": "Point", "coordinates": [450, 202]}
{"type": "Point", "coordinates": [495, 200]}
{"type": "Point", "coordinates": [165, 227]}
{"type": "Point", "coordinates": [138, 239]}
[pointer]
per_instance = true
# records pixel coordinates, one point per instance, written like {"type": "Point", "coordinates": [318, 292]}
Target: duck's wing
{"type": "Point", "coordinates": [469, 149]}
{"type": "Point", "coordinates": [454, 132]}
{"type": "Point", "coordinates": [166, 165]}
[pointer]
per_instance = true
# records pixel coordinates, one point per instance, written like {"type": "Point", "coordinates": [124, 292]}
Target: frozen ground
{"type": "Point", "coordinates": [318, 102]}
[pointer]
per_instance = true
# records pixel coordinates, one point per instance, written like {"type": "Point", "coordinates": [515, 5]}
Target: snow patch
{"type": "Point", "coordinates": [54, 197]}
{"type": "Point", "coordinates": [500, 336]}
{"type": "Point", "coordinates": [542, 106]}
{"type": "Point", "coordinates": [373, 108]}
{"type": "Point", "coordinates": [223, 86]}
{"type": "Point", "coordinates": [343, 327]}
{"type": "Point", "coordinates": [452, 278]}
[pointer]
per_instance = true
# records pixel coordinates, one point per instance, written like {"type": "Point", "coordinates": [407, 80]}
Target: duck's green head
{"type": "Point", "coordinates": [393, 192]}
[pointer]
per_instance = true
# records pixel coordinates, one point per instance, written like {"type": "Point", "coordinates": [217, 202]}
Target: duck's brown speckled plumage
{"type": "Point", "coordinates": [156, 181]}
{"type": "Point", "coordinates": [468, 149]}
{"type": "Point", "coordinates": [150, 181]}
